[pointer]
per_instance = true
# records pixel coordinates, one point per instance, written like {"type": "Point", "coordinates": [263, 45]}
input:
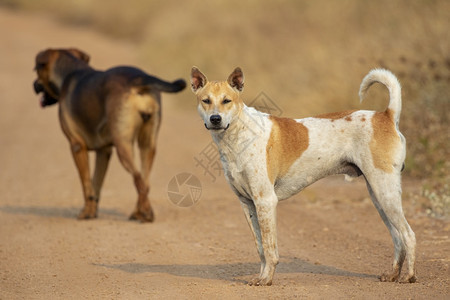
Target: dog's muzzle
{"type": "Point", "coordinates": [46, 99]}
{"type": "Point", "coordinates": [38, 88]}
{"type": "Point", "coordinates": [216, 121]}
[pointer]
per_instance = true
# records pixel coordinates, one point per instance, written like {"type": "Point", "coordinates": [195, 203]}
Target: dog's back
{"type": "Point", "coordinates": [99, 101]}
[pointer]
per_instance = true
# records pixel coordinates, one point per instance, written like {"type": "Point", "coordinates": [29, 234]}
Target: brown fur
{"type": "Point", "coordinates": [384, 140]}
{"type": "Point", "coordinates": [288, 140]}
{"type": "Point", "coordinates": [217, 88]}
{"type": "Point", "coordinates": [99, 110]}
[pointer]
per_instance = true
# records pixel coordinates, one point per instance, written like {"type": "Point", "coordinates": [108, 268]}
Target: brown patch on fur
{"type": "Point", "coordinates": [384, 140]}
{"type": "Point", "coordinates": [288, 140]}
{"type": "Point", "coordinates": [336, 115]}
{"type": "Point", "coordinates": [363, 119]}
{"type": "Point", "coordinates": [348, 118]}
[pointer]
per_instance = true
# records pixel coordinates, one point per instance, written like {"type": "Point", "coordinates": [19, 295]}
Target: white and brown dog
{"type": "Point", "coordinates": [267, 159]}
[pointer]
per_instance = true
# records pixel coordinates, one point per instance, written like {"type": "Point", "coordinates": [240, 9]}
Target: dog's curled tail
{"type": "Point", "coordinates": [391, 82]}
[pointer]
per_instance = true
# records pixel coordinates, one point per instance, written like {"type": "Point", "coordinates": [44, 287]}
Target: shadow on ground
{"type": "Point", "coordinates": [231, 272]}
{"type": "Point", "coordinates": [61, 212]}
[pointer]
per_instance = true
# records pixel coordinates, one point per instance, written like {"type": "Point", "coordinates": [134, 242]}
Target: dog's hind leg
{"type": "Point", "coordinates": [385, 191]}
{"type": "Point", "coordinates": [147, 147]}
{"type": "Point", "coordinates": [101, 165]}
{"type": "Point", "coordinates": [143, 211]}
{"type": "Point", "coordinates": [126, 123]}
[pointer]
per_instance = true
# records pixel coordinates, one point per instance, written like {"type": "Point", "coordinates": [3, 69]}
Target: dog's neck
{"type": "Point", "coordinates": [65, 74]}
{"type": "Point", "coordinates": [248, 126]}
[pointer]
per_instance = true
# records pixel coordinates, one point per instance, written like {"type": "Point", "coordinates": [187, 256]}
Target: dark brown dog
{"type": "Point", "coordinates": [98, 110]}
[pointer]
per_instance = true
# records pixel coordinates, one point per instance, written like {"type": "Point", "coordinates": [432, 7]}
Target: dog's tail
{"type": "Point", "coordinates": [164, 86]}
{"type": "Point", "coordinates": [391, 82]}
{"type": "Point", "coordinates": [169, 87]}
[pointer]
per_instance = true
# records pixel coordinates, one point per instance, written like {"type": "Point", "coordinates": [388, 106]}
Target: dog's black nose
{"type": "Point", "coordinates": [215, 119]}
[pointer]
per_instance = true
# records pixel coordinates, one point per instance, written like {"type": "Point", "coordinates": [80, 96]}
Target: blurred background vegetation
{"type": "Point", "coordinates": [309, 57]}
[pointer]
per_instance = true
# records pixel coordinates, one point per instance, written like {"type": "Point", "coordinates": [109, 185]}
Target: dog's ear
{"type": "Point", "coordinates": [79, 54]}
{"type": "Point", "coordinates": [198, 80]}
{"type": "Point", "coordinates": [236, 79]}
{"type": "Point", "coordinates": [42, 59]}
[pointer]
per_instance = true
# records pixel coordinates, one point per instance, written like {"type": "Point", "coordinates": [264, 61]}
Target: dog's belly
{"type": "Point", "coordinates": [100, 137]}
{"type": "Point", "coordinates": [322, 158]}
{"type": "Point", "coordinates": [93, 136]}
{"type": "Point", "coordinates": [295, 181]}
{"type": "Point", "coordinates": [97, 140]}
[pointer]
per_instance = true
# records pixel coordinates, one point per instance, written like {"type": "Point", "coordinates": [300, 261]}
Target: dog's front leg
{"type": "Point", "coordinates": [252, 219]}
{"type": "Point", "coordinates": [266, 219]}
{"type": "Point", "coordinates": [80, 155]}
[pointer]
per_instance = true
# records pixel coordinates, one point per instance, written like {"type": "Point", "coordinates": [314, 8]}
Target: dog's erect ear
{"type": "Point", "coordinates": [79, 54]}
{"type": "Point", "coordinates": [236, 79]}
{"type": "Point", "coordinates": [198, 80]}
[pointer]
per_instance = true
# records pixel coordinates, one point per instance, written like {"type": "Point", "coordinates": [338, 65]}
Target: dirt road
{"type": "Point", "coordinates": [332, 241]}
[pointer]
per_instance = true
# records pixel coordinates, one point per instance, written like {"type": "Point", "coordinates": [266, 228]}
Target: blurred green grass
{"type": "Point", "coordinates": [308, 56]}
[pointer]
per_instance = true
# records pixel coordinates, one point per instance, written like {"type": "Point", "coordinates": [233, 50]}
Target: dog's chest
{"type": "Point", "coordinates": [245, 168]}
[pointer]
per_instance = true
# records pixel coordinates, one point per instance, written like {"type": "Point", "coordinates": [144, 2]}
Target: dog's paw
{"type": "Point", "coordinates": [260, 282]}
{"type": "Point", "coordinates": [408, 279]}
{"type": "Point", "coordinates": [146, 216]}
{"type": "Point", "coordinates": [86, 214]}
{"type": "Point", "coordinates": [389, 277]}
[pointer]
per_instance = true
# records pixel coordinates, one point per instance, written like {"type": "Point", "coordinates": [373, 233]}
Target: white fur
{"type": "Point", "coordinates": [388, 79]}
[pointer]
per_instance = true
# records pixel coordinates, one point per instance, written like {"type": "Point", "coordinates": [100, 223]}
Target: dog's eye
{"type": "Point", "coordinates": [225, 101]}
{"type": "Point", "coordinates": [206, 101]}
{"type": "Point", "coordinates": [39, 66]}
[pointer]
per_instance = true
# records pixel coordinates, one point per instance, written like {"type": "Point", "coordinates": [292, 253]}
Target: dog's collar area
{"type": "Point", "coordinates": [217, 128]}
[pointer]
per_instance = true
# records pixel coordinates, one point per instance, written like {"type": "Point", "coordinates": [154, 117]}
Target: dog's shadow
{"type": "Point", "coordinates": [61, 212]}
{"type": "Point", "coordinates": [233, 272]}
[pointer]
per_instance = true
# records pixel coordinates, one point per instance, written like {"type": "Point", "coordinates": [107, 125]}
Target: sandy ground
{"type": "Point", "coordinates": [332, 242]}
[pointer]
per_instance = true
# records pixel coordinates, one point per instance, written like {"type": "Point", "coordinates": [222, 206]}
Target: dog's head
{"type": "Point", "coordinates": [219, 103]}
{"type": "Point", "coordinates": [52, 66]}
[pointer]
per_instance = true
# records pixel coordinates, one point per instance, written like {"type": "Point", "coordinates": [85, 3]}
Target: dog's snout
{"type": "Point", "coordinates": [215, 119]}
{"type": "Point", "coordinates": [38, 87]}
